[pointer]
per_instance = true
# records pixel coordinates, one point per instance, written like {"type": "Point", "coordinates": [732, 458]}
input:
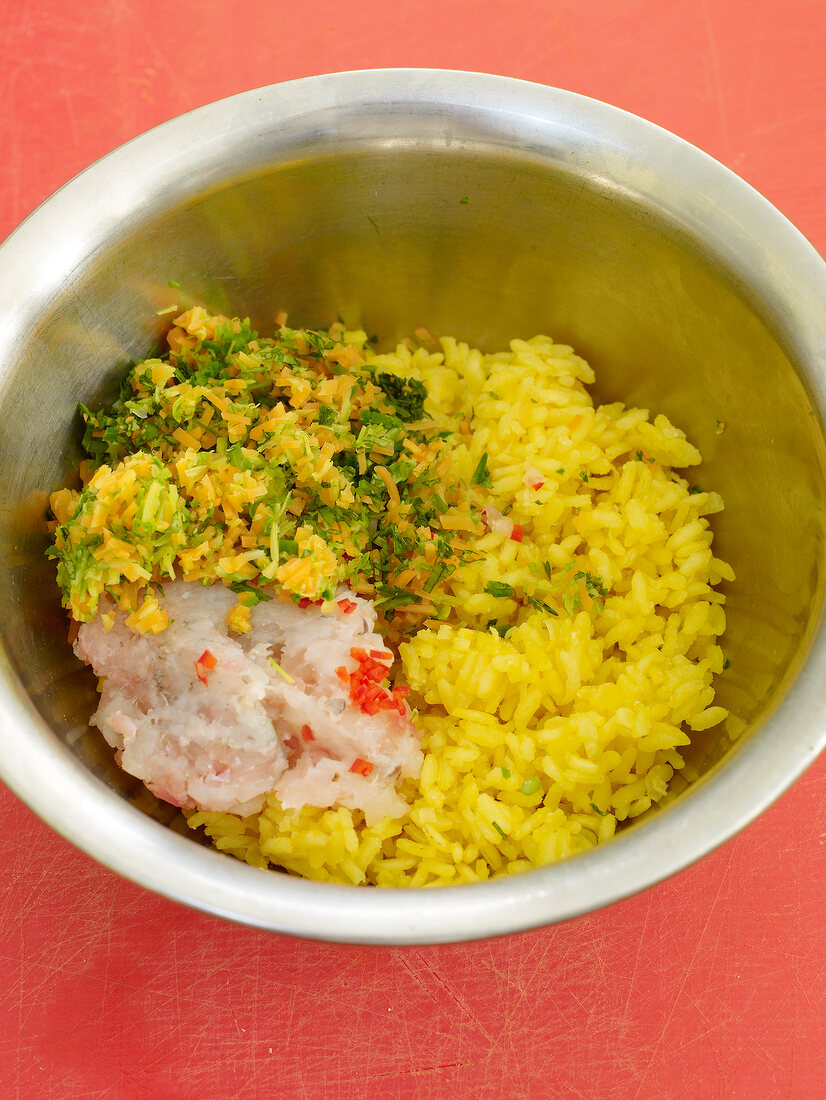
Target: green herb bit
{"type": "Point", "coordinates": [583, 474]}
{"type": "Point", "coordinates": [406, 395]}
{"type": "Point", "coordinates": [464, 200]}
{"type": "Point", "coordinates": [639, 459]}
{"type": "Point", "coordinates": [394, 597]}
{"type": "Point", "coordinates": [499, 828]}
{"type": "Point", "coordinates": [726, 664]}
{"type": "Point", "coordinates": [499, 588]}
{"type": "Point", "coordinates": [694, 489]}
{"type": "Point", "coordinates": [597, 810]}
{"type": "Point", "coordinates": [540, 605]}
{"type": "Point", "coordinates": [174, 283]}
{"type": "Point", "coordinates": [439, 570]}
{"type": "Point", "coordinates": [561, 470]}
{"type": "Point", "coordinates": [506, 772]}
{"type": "Point", "coordinates": [480, 474]}
{"type": "Point", "coordinates": [252, 595]}
{"type": "Point", "coordinates": [531, 786]}
{"type": "Point", "coordinates": [500, 628]}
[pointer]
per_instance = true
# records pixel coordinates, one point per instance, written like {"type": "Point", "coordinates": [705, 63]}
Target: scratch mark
{"type": "Point", "coordinates": [714, 57]}
{"type": "Point", "coordinates": [675, 1000]}
{"type": "Point", "coordinates": [457, 1000]}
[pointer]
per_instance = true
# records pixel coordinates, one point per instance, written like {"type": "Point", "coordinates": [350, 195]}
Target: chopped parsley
{"type": "Point", "coordinates": [406, 395]}
{"type": "Point", "coordinates": [540, 605]}
{"type": "Point", "coordinates": [499, 588]}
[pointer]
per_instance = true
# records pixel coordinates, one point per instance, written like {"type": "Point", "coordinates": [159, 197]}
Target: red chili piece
{"type": "Point", "coordinates": [361, 767]}
{"type": "Point", "coordinates": [205, 664]}
{"type": "Point", "coordinates": [517, 534]}
{"type": "Point", "coordinates": [537, 484]}
{"type": "Point", "coordinates": [347, 606]}
{"type": "Point", "coordinates": [307, 734]}
{"type": "Point", "coordinates": [366, 689]}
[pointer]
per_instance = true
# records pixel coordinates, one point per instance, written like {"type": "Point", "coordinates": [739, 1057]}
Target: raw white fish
{"type": "Point", "coordinates": [225, 744]}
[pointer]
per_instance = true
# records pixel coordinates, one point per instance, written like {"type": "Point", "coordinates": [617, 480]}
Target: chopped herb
{"type": "Point", "coordinates": [252, 595]}
{"type": "Point", "coordinates": [175, 283]}
{"type": "Point", "coordinates": [597, 810]}
{"type": "Point", "coordinates": [480, 474]}
{"type": "Point", "coordinates": [726, 664]}
{"type": "Point", "coordinates": [498, 828]}
{"type": "Point", "coordinates": [694, 489]}
{"type": "Point", "coordinates": [499, 588]}
{"type": "Point", "coordinates": [540, 605]}
{"type": "Point", "coordinates": [500, 628]}
{"type": "Point", "coordinates": [583, 474]}
{"type": "Point", "coordinates": [464, 200]}
{"type": "Point", "coordinates": [394, 597]}
{"type": "Point", "coordinates": [439, 570]}
{"type": "Point", "coordinates": [639, 456]}
{"type": "Point", "coordinates": [290, 431]}
{"type": "Point", "coordinates": [406, 395]}
{"type": "Point", "coordinates": [561, 470]}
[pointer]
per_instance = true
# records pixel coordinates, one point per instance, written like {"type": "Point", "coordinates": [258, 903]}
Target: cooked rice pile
{"type": "Point", "coordinates": [580, 651]}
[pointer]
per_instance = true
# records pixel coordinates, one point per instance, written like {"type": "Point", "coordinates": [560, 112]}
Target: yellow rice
{"type": "Point", "coordinates": [540, 742]}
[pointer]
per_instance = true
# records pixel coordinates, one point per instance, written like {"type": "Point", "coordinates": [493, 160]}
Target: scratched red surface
{"type": "Point", "coordinates": [710, 985]}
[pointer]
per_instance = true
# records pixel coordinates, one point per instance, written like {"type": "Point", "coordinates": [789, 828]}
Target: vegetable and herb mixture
{"type": "Point", "coordinates": [452, 619]}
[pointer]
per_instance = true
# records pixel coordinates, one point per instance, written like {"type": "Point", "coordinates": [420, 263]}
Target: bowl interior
{"type": "Point", "coordinates": [467, 237]}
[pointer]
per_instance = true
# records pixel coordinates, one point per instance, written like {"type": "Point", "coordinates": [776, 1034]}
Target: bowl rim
{"type": "Point", "coordinates": [786, 274]}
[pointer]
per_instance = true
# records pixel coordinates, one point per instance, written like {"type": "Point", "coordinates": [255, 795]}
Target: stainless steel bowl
{"type": "Point", "coordinates": [482, 207]}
